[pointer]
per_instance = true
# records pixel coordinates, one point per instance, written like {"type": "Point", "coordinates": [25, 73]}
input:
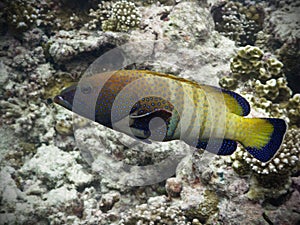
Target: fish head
{"type": "Point", "coordinates": [66, 97]}
{"type": "Point", "coordinates": [80, 98]}
{"type": "Point", "coordinates": [93, 97]}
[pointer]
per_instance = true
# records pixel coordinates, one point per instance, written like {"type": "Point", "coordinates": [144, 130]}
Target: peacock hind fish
{"type": "Point", "coordinates": [190, 111]}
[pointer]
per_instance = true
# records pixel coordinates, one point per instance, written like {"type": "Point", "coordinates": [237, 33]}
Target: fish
{"type": "Point", "coordinates": [153, 106]}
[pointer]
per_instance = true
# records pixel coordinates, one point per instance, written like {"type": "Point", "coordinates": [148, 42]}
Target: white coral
{"type": "Point", "coordinates": [285, 159]}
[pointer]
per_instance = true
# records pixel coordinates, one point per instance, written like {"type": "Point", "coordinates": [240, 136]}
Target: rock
{"type": "Point", "coordinates": [108, 200]}
{"type": "Point", "coordinates": [173, 187]}
{"type": "Point", "coordinates": [9, 192]}
{"type": "Point", "coordinates": [55, 167]}
{"type": "Point", "coordinates": [61, 195]}
{"type": "Point", "coordinates": [66, 45]}
{"type": "Point", "coordinates": [4, 74]}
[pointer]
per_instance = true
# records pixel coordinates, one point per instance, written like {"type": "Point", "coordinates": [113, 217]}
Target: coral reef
{"type": "Point", "coordinates": [102, 13]}
{"type": "Point", "coordinates": [252, 62]}
{"type": "Point", "coordinates": [124, 16]}
{"type": "Point", "coordinates": [263, 73]}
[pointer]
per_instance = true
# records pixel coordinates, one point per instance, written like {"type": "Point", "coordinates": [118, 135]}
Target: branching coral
{"type": "Point", "coordinates": [21, 14]}
{"type": "Point", "coordinates": [120, 16]}
{"type": "Point", "coordinates": [237, 21]}
{"type": "Point", "coordinates": [124, 17]}
{"type": "Point", "coordinates": [102, 13]}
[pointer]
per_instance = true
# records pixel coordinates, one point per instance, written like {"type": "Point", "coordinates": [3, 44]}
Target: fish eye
{"type": "Point", "coordinates": [86, 89]}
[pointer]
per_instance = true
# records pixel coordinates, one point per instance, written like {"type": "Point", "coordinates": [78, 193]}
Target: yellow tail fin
{"type": "Point", "coordinates": [263, 137]}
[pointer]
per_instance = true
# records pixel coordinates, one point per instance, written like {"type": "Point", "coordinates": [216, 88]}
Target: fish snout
{"type": "Point", "coordinates": [66, 97]}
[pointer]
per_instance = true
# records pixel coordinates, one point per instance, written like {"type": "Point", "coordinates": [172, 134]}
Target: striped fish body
{"type": "Point", "coordinates": [200, 115]}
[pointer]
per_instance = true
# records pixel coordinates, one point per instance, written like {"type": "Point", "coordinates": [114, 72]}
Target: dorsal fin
{"type": "Point", "coordinates": [234, 102]}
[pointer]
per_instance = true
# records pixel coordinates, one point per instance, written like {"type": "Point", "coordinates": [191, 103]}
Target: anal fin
{"type": "Point", "coordinates": [226, 148]}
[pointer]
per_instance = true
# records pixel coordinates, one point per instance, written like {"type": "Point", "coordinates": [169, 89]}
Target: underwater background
{"type": "Point", "coordinates": [49, 173]}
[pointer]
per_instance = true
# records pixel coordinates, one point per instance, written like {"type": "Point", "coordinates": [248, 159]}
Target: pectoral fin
{"type": "Point", "coordinates": [152, 124]}
{"type": "Point", "coordinates": [156, 113]}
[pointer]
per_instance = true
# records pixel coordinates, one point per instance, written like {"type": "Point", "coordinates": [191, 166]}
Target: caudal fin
{"type": "Point", "coordinates": [265, 136]}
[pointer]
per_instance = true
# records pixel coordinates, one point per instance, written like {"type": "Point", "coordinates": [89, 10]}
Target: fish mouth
{"type": "Point", "coordinates": [59, 99]}
{"type": "Point", "coordinates": [65, 97]}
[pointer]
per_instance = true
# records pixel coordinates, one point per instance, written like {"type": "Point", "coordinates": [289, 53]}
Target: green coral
{"type": "Point", "coordinates": [277, 110]}
{"type": "Point", "coordinates": [269, 186]}
{"type": "Point", "coordinates": [207, 207]}
{"type": "Point", "coordinates": [273, 89]}
{"type": "Point", "coordinates": [228, 82]}
{"type": "Point", "coordinates": [293, 109]}
{"type": "Point", "coordinates": [251, 61]}
{"type": "Point", "coordinates": [263, 72]}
